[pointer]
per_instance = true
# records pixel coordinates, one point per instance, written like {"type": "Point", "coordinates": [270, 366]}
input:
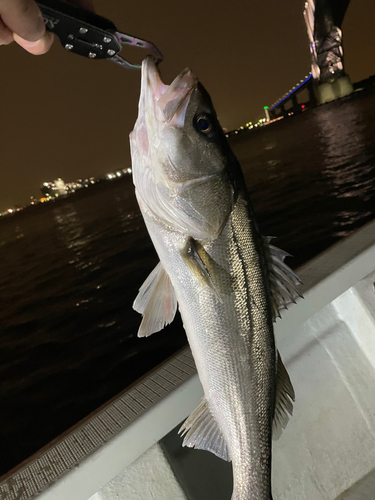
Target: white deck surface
{"type": "Point", "coordinates": [147, 478]}
{"type": "Point", "coordinates": [329, 443]}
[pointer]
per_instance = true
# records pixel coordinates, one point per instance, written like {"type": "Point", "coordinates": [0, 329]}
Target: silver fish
{"type": "Point", "coordinates": [228, 281]}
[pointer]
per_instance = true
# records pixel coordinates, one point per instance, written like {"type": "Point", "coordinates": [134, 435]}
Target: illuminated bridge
{"type": "Point", "coordinates": [327, 80]}
{"type": "Point", "coordinates": [297, 99]}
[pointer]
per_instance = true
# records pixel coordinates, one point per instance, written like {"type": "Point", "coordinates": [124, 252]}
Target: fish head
{"type": "Point", "coordinates": [179, 155]}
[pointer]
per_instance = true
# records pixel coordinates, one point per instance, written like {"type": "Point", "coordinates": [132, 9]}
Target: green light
{"type": "Point", "coordinates": [265, 107]}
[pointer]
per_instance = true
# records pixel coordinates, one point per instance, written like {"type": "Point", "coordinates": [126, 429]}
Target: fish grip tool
{"type": "Point", "coordinates": [90, 35]}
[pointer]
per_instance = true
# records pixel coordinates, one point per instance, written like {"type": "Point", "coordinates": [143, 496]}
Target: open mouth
{"type": "Point", "coordinates": [172, 99]}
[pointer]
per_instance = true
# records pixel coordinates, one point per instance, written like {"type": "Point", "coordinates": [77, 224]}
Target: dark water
{"type": "Point", "coordinates": [70, 271]}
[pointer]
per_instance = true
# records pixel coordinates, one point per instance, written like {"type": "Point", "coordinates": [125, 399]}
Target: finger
{"type": "Point", "coordinates": [37, 48]}
{"type": "Point", "coordinates": [23, 17]}
{"type": "Point", "coordinates": [6, 36]}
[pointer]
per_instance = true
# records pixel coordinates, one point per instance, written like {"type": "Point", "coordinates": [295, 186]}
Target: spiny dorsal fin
{"type": "Point", "coordinates": [202, 432]}
{"type": "Point", "coordinates": [156, 301]}
{"type": "Point", "coordinates": [284, 397]}
{"type": "Point", "coordinates": [283, 280]}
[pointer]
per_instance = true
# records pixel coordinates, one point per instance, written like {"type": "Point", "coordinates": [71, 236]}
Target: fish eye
{"type": "Point", "coordinates": [203, 124]}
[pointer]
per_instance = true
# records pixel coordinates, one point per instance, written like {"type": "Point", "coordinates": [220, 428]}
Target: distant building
{"type": "Point", "coordinates": [60, 187]}
{"type": "Point", "coordinates": [55, 188]}
{"type": "Point", "coordinates": [48, 189]}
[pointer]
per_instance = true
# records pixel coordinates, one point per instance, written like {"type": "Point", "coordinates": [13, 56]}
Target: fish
{"type": "Point", "coordinates": [227, 280]}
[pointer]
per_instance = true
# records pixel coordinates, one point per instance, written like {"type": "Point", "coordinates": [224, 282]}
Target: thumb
{"type": "Point", "coordinates": [38, 47]}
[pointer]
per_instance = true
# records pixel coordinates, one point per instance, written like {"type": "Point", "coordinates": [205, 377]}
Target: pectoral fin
{"type": "Point", "coordinates": [284, 397]}
{"type": "Point", "coordinates": [202, 432]}
{"type": "Point", "coordinates": [156, 301]}
{"type": "Point", "coordinates": [197, 259]}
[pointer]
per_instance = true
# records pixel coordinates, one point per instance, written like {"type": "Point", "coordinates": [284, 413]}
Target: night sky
{"type": "Point", "coordinates": [64, 116]}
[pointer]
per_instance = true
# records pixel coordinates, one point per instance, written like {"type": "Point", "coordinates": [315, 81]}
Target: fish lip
{"type": "Point", "coordinates": [171, 99]}
{"type": "Point", "coordinates": [151, 73]}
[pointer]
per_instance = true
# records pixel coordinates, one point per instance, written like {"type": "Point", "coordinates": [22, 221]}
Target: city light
{"type": "Point", "coordinates": [52, 190]}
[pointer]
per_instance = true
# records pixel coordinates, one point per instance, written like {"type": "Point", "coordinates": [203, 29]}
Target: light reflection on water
{"type": "Point", "coordinates": [346, 162]}
{"type": "Point", "coordinates": [71, 234]}
{"type": "Point", "coordinates": [126, 219]}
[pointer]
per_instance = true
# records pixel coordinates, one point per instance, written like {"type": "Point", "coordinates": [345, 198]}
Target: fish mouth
{"type": "Point", "coordinates": [151, 77]}
{"type": "Point", "coordinates": [171, 99]}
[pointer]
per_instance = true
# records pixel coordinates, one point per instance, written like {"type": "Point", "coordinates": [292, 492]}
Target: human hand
{"type": "Point", "coordinates": [21, 21]}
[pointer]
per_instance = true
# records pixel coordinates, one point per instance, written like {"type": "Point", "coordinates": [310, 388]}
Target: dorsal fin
{"type": "Point", "coordinates": [283, 399]}
{"type": "Point", "coordinates": [202, 432]}
{"type": "Point", "coordinates": [283, 281]}
{"type": "Point", "coordinates": [156, 301]}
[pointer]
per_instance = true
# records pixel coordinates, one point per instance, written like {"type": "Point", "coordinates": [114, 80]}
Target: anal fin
{"type": "Point", "coordinates": [156, 301]}
{"type": "Point", "coordinates": [202, 432]}
{"type": "Point", "coordinates": [283, 400]}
